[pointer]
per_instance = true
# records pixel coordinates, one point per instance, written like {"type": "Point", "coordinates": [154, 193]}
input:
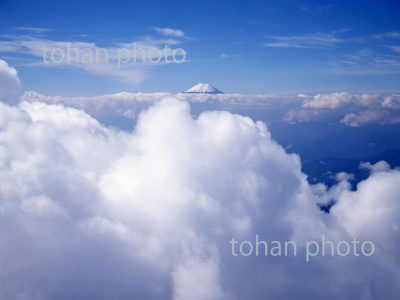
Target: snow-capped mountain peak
{"type": "Point", "coordinates": [203, 88]}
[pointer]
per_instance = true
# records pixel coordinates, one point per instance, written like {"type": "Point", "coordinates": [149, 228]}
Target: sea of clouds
{"type": "Point", "coordinates": [352, 110]}
{"type": "Point", "coordinates": [95, 212]}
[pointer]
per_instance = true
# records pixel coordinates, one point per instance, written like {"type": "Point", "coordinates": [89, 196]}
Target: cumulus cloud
{"type": "Point", "coordinates": [370, 116]}
{"type": "Point", "coordinates": [330, 101]}
{"type": "Point", "coordinates": [392, 101]}
{"type": "Point", "coordinates": [343, 176]}
{"type": "Point", "coordinates": [380, 166]}
{"type": "Point", "coordinates": [94, 212]}
{"type": "Point", "coordinates": [10, 85]}
{"type": "Point", "coordinates": [350, 109]}
{"type": "Point", "coordinates": [370, 211]}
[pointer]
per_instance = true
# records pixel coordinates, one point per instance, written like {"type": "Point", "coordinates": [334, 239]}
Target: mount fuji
{"type": "Point", "coordinates": [203, 88]}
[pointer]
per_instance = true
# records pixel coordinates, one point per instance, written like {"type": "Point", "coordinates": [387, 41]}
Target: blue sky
{"type": "Point", "coordinates": [238, 46]}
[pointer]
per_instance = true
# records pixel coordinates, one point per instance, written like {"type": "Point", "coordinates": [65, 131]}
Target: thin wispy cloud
{"type": "Point", "coordinates": [394, 48]}
{"type": "Point", "coordinates": [89, 57]}
{"type": "Point", "coordinates": [360, 55]}
{"type": "Point", "coordinates": [310, 8]}
{"type": "Point", "coordinates": [33, 29]}
{"type": "Point", "coordinates": [366, 62]}
{"type": "Point", "coordinates": [169, 31]}
{"type": "Point", "coordinates": [321, 40]}
{"type": "Point", "coordinates": [387, 35]}
{"type": "Point", "coordinates": [225, 55]}
{"type": "Point", "coordinates": [312, 40]}
{"type": "Point", "coordinates": [170, 41]}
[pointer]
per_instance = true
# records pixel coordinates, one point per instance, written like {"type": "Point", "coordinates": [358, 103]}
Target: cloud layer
{"type": "Point", "coordinates": [341, 107]}
{"type": "Point", "coordinates": [92, 212]}
{"type": "Point", "coordinates": [350, 109]}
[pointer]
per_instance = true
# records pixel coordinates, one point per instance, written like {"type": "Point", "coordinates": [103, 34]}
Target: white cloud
{"type": "Point", "coordinates": [380, 166]}
{"type": "Point", "coordinates": [127, 105]}
{"type": "Point", "coordinates": [387, 35]}
{"type": "Point", "coordinates": [343, 176]}
{"type": "Point", "coordinates": [225, 55]}
{"type": "Point", "coordinates": [128, 62]}
{"type": "Point", "coordinates": [371, 211]}
{"type": "Point", "coordinates": [394, 48]}
{"type": "Point", "coordinates": [169, 31]}
{"type": "Point", "coordinates": [314, 40]}
{"type": "Point", "coordinates": [349, 109]}
{"type": "Point", "coordinates": [343, 100]}
{"type": "Point", "coordinates": [159, 205]}
{"type": "Point", "coordinates": [370, 117]}
{"type": "Point", "coordinates": [37, 30]}
{"type": "Point", "coordinates": [10, 85]}
{"type": "Point", "coordinates": [392, 102]}
{"type": "Point", "coordinates": [301, 115]}
{"type": "Point", "coordinates": [330, 101]}
{"type": "Point", "coordinates": [366, 62]}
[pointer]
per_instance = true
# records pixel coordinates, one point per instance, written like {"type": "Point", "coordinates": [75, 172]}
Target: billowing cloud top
{"type": "Point", "coordinates": [91, 212]}
{"type": "Point", "coordinates": [158, 206]}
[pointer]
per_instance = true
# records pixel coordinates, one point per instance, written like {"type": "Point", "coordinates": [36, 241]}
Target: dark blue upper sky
{"type": "Point", "coordinates": [238, 46]}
